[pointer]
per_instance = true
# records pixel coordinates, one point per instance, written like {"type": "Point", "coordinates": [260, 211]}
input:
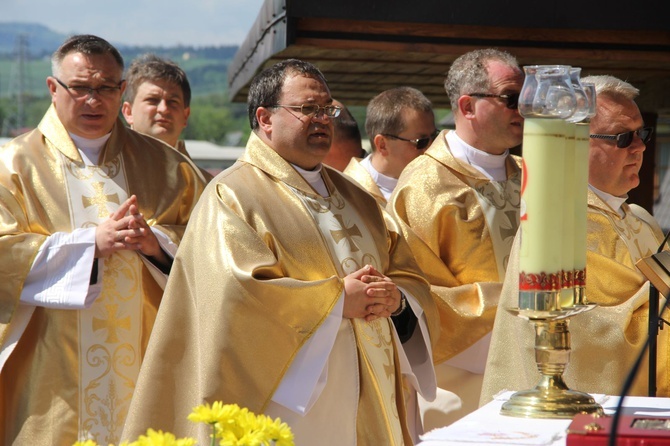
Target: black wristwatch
{"type": "Point", "coordinates": [402, 307]}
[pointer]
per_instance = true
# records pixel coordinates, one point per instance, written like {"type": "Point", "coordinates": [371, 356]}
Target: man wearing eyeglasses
{"type": "Point", "coordinates": [606, 340]}
{"type": "Point", "coordinates": [401, 125]}
{"type": "Point", "coordinates": [90, 215]}
{"type": "Point", "coordinates": [285, 306]}
{"type": "Point", "coordinates": [458, 205]}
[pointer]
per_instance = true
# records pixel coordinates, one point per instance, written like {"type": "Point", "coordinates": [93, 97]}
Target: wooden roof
{"type": "Point", "coordinates": [366, 46]}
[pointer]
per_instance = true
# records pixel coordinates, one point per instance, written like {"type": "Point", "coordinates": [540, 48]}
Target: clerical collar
{"type": "Point", "coordinates": [90, 148]}
{"type": "Point", "coordinates": [492, 166]}
{"type": "Point", "coordinates": [612, 201]}
{"type": "Point", "coordinates": [314, 178]}
{"type": "Point", "coordinates": [385, 183]}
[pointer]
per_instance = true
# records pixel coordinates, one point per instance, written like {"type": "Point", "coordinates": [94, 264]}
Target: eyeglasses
{"type": "Point", "coordinates": [420, 143]}
{"type": "Point", "coordinates": [331, 111]}
{"type": "Point", "coordinates": [625, 139]}
{"type": "Point", "coordinates": [80, 91]}
{"type": "Point", "coordinates": [512, 99]}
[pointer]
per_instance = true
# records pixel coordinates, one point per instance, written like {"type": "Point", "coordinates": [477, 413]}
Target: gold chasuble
{"type": "Point", "coordinates": [605, 341]}
{"type": "Point", "coordinates": [72, 373]}
{"type": "Point", "coordinates": [460, 226]}
{"type": "Point", "coordinates": [259, 271]}
{"type": "Point", "coordinates": [362, 177]}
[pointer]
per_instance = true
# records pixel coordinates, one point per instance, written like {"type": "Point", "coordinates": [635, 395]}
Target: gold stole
{"type": "Point", "coordinates": [500, 202]}
{"type": "Point", "coordinates": [110, 330]}
{"type": "Point", "coordinates": [635, 233]}
{"type": "Point", "coordinates": [352, 247]}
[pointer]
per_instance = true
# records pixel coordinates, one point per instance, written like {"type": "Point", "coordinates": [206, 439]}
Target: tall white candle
{"type": "Point", "coordinates": [542, 192]}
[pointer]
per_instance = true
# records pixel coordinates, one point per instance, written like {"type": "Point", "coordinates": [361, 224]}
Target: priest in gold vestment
{"type": "Point", "coordinates": [401, 125]}
{"type": "Point", "coordinates": [458, 205]}
{"type": "Point", "coordinates": [282, 292]}
{"type": "Point", "coordinates": [90, 214]}
{"type": "Point", "coordinates": [606, 340]}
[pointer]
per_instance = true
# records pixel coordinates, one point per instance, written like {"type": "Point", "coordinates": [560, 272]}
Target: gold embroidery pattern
{"type": "Point", "coordinates": [100, 199]}
{"type": "Point", "coordinates": [346, 233]}
{"type": "Point", "coordinates": [111, 356]}
{"type": "Point", "coordinates": [500, 194]}
{"type": "Point", "coordinates": [323, 205]}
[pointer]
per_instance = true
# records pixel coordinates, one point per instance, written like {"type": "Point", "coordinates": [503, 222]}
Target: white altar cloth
{"type": "Point", "coordinates": [486, 427]}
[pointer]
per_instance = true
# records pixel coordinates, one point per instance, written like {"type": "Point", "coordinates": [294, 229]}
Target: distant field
{"type": "Point", "coordinates": [207, 76]}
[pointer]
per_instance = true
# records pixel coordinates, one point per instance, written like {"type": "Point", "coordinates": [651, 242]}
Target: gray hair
{"type": "Point", "coordinates": [469, 73]}
{"type": "Point", "coordinates": [384, 111]}
{"type": "Point", "coordinates": [606, 84]}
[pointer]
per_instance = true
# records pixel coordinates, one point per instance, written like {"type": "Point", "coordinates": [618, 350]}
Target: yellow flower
{"type": "Point", "coordinates": [160, 438]}
{"type": "Point", "coordinates": [278, 431]}
{"type": "Point", "coordinates": [216, 413]}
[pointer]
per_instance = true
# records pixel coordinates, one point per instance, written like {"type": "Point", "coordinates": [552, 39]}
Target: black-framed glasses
{"type": "Point", "coordinates": [80, 91]}
{"type": "Point", "coordinates": [420, 143]}
{"type": "Point", "coordinates": [625, 139]}
{"type": "Point", "coordinates": [331, 111]}
{"type": "Point", "coordinates": [511, 99]}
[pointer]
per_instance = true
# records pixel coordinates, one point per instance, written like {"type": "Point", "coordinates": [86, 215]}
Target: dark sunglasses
{"type": "Point", "coordinates": [512, 99]}
{"type": "Point", "coordinates": [625, 139]}
{"type": "Point", "coordinates": [420, 143]}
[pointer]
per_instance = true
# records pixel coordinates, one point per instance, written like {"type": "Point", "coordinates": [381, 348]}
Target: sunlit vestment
{"type": "Point", "coordinates": [606, 340]}
{"type": "Point", "coordinates": [181, 148]}
{"type": "Point", "coordinates": [244, 302]}
{"type": "Point", "coordinates": [362, 177]}
{"type": "Point", "coordinates": [460, 226]}
{"type": "Point", "coordinates": [69, 374]}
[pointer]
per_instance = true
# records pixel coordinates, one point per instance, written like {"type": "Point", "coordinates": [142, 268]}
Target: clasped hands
{"type": "Point", "coordinates": [126, 229]}
{"type": "Point", "coordinates": [370, 295]}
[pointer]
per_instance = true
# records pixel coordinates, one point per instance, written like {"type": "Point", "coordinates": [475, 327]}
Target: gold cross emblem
{"type": "Point", "coordinates": [112, 324]}
{"type": "Point", "coordinates": [100, 199]}
{"type": "Point", "coordinates": [346, 233]}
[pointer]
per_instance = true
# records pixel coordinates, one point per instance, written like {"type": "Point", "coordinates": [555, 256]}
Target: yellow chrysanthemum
{"type": "Point", "coordinates": [216, 413]}
{"type": "Point", "coordinates": [86, 443]}
{"type": "Point", "coordinates": [160, 438]}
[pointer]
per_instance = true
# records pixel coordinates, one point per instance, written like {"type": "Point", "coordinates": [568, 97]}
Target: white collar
{"type": "Point", "coordinates": [612, 200]}
{"type": "Point", "coordinates": [385, 183]}
{"type": "Point", "coordinates": [493, 166]}
{"type": "Point", "coordinates": [314, 178]}
{"type": "Point", "coordinates": [90, 148]}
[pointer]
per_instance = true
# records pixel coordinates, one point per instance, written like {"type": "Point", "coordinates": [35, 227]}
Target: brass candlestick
{"type": "Point", "coordinates": [551, 398]}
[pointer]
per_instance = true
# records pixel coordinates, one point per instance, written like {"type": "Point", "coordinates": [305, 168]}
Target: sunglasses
{"type": "Point", "coordinates": [625, 139]}
{"type": "Point", "coordinates": [511, 99]}
{"type": "Point", "coordinates": [420, 143]}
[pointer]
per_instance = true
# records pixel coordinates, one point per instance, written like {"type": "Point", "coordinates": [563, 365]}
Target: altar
{"type": "Point", "coordinates": [487, 427]}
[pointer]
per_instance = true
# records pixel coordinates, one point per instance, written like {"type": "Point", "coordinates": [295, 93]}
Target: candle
{"type": "Point", "coordinates": [543, 194]}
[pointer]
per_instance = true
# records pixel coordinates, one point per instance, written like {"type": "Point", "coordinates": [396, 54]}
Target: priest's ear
{"type": "Point", "coordinates": [52, 85]}
{"type": "Point", "coordinates": [466, 106]}
{"type": "Point", "coordinates": [264, 118]}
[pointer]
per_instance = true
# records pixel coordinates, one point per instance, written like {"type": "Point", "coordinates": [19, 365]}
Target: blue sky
{"type": "Point", "coordinates": [141, 22]}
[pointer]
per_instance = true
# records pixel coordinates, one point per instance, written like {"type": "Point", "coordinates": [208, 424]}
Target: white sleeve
{"type": "Point", "coordinates": [166, 243]}
{"type": "Point", "coordinates": [306, 377]}
{"type": "Point", "coordinates": [415, 355]}
{"type": "Point", "coordinates": [61, 272]}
